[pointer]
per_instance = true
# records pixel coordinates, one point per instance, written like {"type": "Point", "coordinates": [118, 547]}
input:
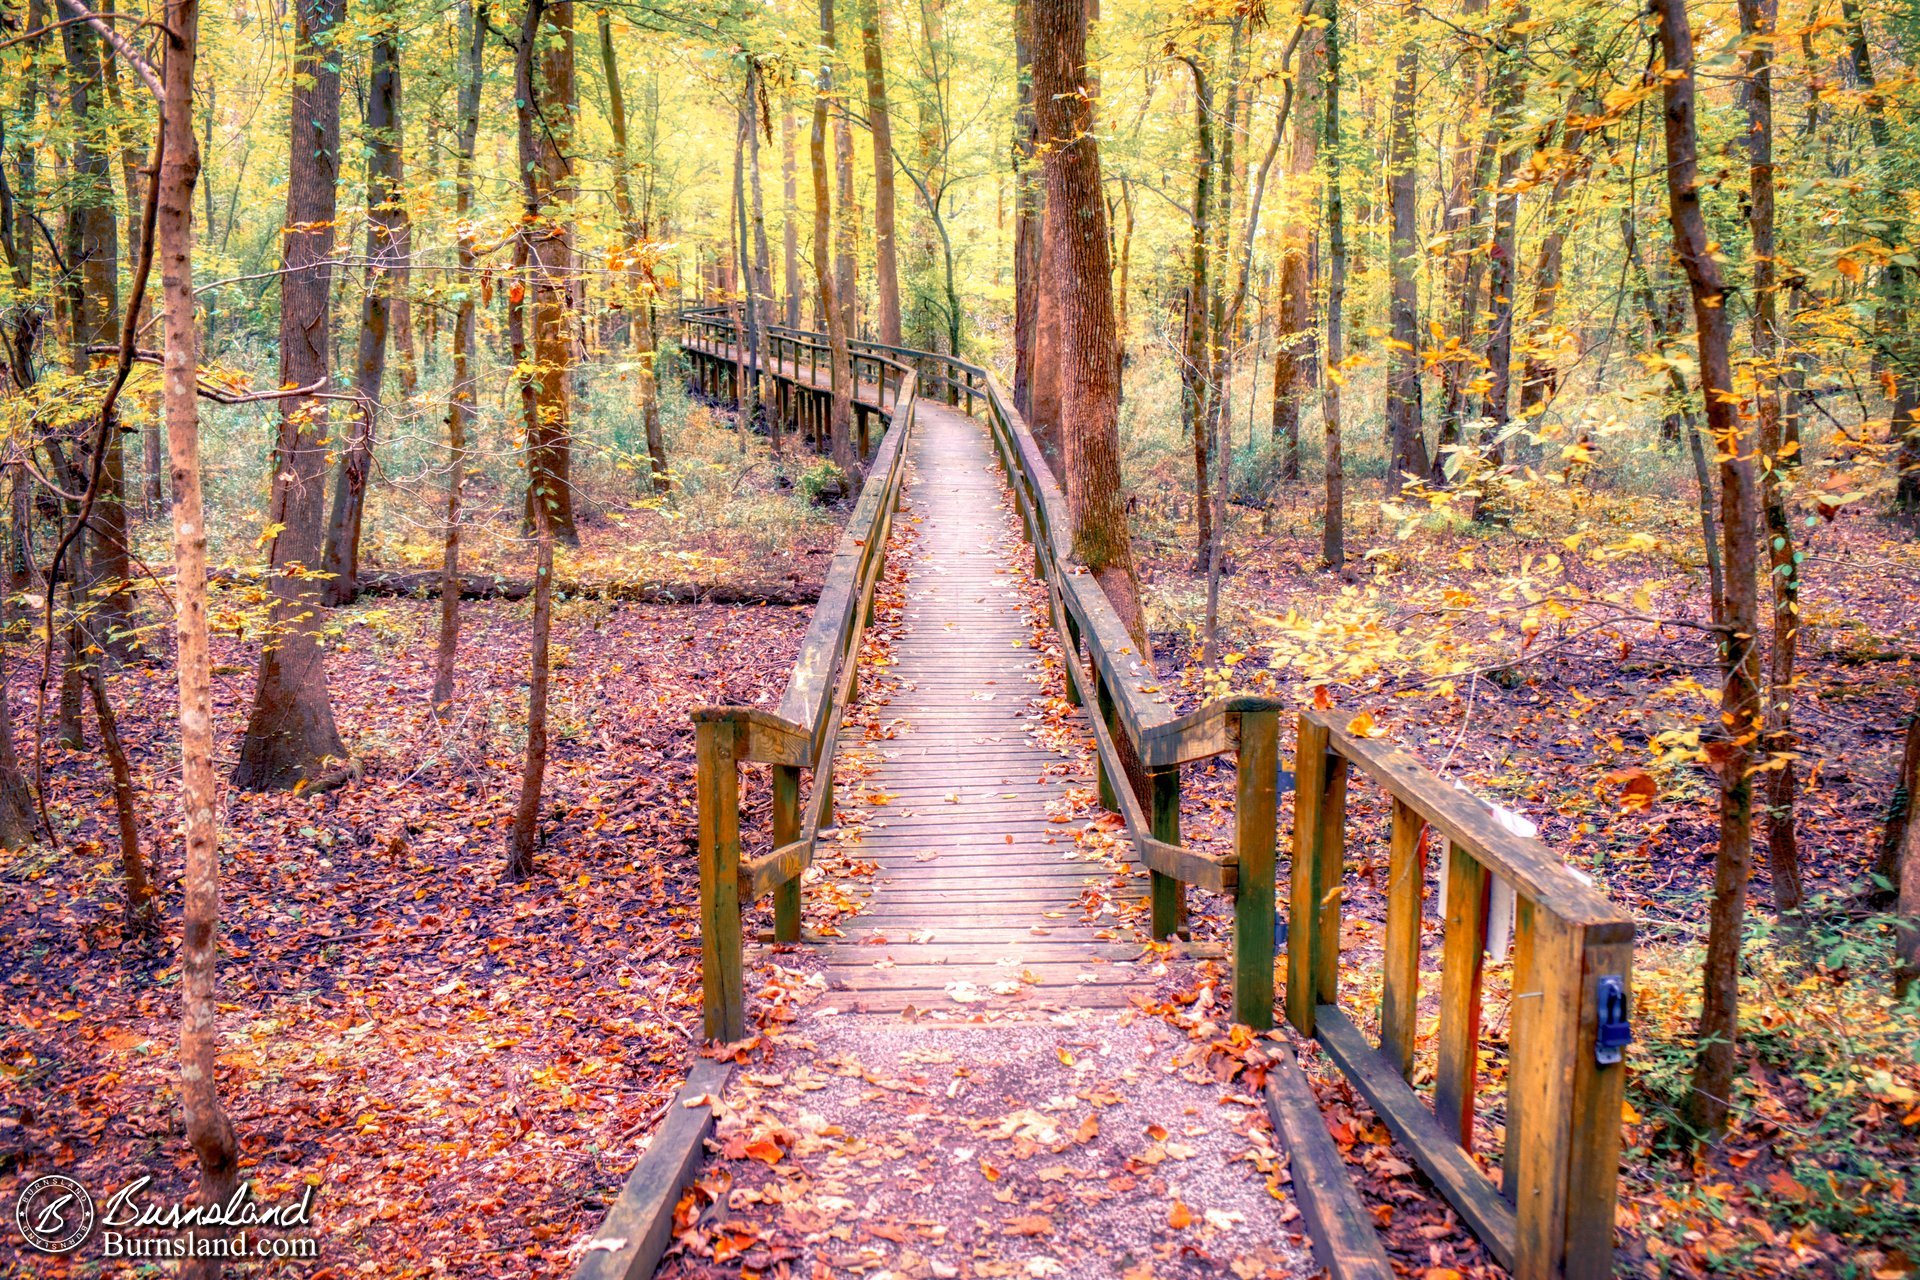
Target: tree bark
{"type": "Point", "coordinates": [846, 225]}
{"type": "Point", "coordinates": [1679, 416]}
{"type": "Point", "coordinates": [384, 223]}
{"type": "Point", "coordinates": [535, 396]}
{"type": "Point", "coordinates": [1295, 343]}
{"type": "Point", "coordinates": [1028, 192]}
{"type": "Point", "coordinates": [1404, 418]}
{"type": "Point", "coordinates": [1897, 868]}
{"type": "Point", "coordinates": [840, 419]}
{"type": "Point", "coordinates": [138, 907]}
{"type": "Point", "coordinates": [886, 272]}
{"type": "Point", "coordinates": [1466, 213]}
{"type": "Point", "coordinates": [1893, 320]}
{"type": "Point", "coordinates": [550, 254]}
{"type": "Point", "coordinates": [209, 1131]}
{"type": "Point", "coordinates": [461, 405]}
{"type": "Point", "coordinates": [790, 229]}
{"type": "Point", "coordinates": [1193, 354]}
{"type": "Point", "coordinates": [1083, 288]}
{"type": "Point", "coordinates": [640, 254]}
{"type": "Point", "coordinates": [1508, 96]}
{"type": "Point", "coordinates": [1757, 23]}
{"type": "Point", "coordinates": [1739, 700]}
{"type": "Point", "coordinates": [760, 295]}
{"type": "Point", "coordinates": [291, 736]}
{"type": "Point", "coordinates": [153, 443]}
{"type": "Point", "coordinates": [1333, 547]}
{"type": "Point", "coordinates": [19, 820]}
{"type": "Point", "coordinates": [1540, 378]}
{"type": "Point", "coordinates": [102, 591]}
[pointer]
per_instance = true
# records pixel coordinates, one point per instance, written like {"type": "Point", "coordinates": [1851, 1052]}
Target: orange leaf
{"type": "Point", "coordinates": [1180, 1217]}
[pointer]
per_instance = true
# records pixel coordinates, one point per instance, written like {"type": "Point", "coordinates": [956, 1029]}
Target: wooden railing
{"type": "Point", "coordinates": [1103, 665]}
{"type": "Point", "coordinates": [1552, 1212]}
{"type": "Point", "coordinates": [801, 733]}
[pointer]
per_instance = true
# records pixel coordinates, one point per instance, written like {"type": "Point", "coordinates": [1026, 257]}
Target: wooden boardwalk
{"type": "Point", "coordinates": [977, 892]}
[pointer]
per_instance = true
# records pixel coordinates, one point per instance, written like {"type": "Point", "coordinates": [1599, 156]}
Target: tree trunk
{"type": "Point", "coordinates": [1508, 95]}
{"type": "Point", "coordinates": [639, 254]}
{"type": "Point", "coordinates": [19, 822]}
{"type": "Point", "coordinates": [1757, 21]}
{"type": "Point", "coordinates": [102, 590]}
{"type": "Point", "coordinates": [840, 419]}
{"type": "Point", "coordinates": [461, 405]}
{"type": "Point", "coordinates": [1680, 418]}
{"type": "Point", "coordinates": [1540, 377]}
{"type": "Point", "coordinates": [1897, 869]}
{"type": "Point", "coordinates": [1193, 355]}
{"type": "Point", "coordinates": [1222, 322]}
{"type": "Point", "coordinates": [760, 295]}
{"type": "Point", "coordinates": [846, 226]}
{"type": "Point", "coordinates": [138, 908]}
{"type": "Point", "coordinates": [550, 253]}
{"type": "Point", "coordinates": [1739, 700]}
{"type": "Point", "coordinates": [1404, 418]}
{"type": "Point", "coordinates": [790, 230]}
{"type": "Point", "coordinates": [153, 444]}
{"type": "Point", "coordinates": [400, 276]}
{"type": "Point", "coordinates": [1083, 287]}
{"type": "Point", "coordinates": [1892, 320]}
{"type": "Point", "coordinates": [1333, 547]}
{"type": "Point", "coordinates": [208, 1130]}
{"type": "Point", "coordinates": [886, 272]}
{"type": "Point", "coordinates": [1295, 344]}
{"type": "Point", "coordinates": [535, 396]}
{"type": "Point", "coordinates": [525, 836]}
{"type": "Point", "coordinates": [1028, 190]}
{"type": "Point", "coordinates": [291, 736]}
{"type": "Point", "coordinates": [384, 223]}
{"type": "Point", "coordinates": [1466, 214]}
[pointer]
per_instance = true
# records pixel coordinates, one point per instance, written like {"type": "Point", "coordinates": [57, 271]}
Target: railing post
{"type": "Point", "coordinates": [722, 995]}
{"type": "Point", "coordinates": [1075, 696]}
{"type": "Point", "coordinates": [1169, 895]}
{"type": "Point", "coordinates": [1563, 1128]}
{"type": "Point", "coordinates": [1103, 707]}
{"type": "Point", "coordinates": [786, 829]}
{"type": "Point", "coordinates": [1255, 818]}
{"type": "Point", "coordinates": [1319, 840]}
{"type": "Point", "coordinates": [1462, 955]}
{"type": "Point", "coordinates": [1406, 889]}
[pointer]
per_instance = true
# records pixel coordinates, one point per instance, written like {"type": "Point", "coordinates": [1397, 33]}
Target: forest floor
{"type": "Point", "coordinates": [463, 1065]}
{"type": "Point", "coordinates": [402, 1029]}
{"type": "Point", "coordinates": [1588, 724]}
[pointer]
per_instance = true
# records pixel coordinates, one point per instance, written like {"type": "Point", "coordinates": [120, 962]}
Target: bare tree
{"type": "Point", "coordinates": [886, 272]}
{"type": "Point", "coordinates": [1333, 543]}
{"type": "Point", "coordinates": [208, 1130]}
{"type": "Point", "coordinates": [460, 403]}
{"type": "Point", "coordinates": [385, 221]}
{"type": "Point", "coordinates": [1732, 751]}
{"type": "Point", "coordinates": [840, 420]}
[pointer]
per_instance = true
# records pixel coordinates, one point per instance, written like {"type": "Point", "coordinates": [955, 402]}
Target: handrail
{"type": "Point", "coordinates": [1552, 1213]}
{"type": "Point", "coordinates": [1551, 1216]}
{"type": "Point", "coordinates": [1121, 680]}
{"type": "Point", "coordinates": [802, 732]}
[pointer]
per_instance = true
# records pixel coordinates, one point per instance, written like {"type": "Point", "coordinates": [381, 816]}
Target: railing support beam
{"type": "Point", "coordinates": [723, 999]}
{"type": "Point", "coordinates": [1255, 820]}
{"type": "Point", "coordinates": [786, 829]}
